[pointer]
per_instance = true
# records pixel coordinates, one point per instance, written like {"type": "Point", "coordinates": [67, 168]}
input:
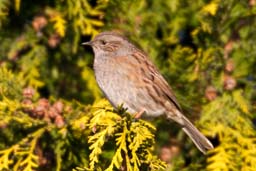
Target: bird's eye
{"type": "Point", "coordinates": [103, 42]}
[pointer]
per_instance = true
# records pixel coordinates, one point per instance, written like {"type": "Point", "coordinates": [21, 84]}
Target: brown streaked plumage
{"type": "Point", "coordinates": [126, 76]}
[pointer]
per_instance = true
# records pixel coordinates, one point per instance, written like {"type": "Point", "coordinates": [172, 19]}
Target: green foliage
{"type": "Point", "coordinates": [134, 141]}
{"type": "Point", "coordinates": [9, 85]}
{"type": "Point", "coordinates": [234, 130]}
{"type": "Point", "coordinates": [24, 152]}
{"type": "Point", "coordinates": [4, 9]}
{"type": "Point", "coordinates": [205, 49]}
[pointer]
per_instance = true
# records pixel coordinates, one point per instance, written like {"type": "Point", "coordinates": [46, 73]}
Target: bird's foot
{"type": "Point", "coordinates": [139, 114]}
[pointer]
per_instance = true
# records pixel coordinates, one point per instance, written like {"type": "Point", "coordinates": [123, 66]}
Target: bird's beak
{"type": "Point", "coordinates": [87, 43]}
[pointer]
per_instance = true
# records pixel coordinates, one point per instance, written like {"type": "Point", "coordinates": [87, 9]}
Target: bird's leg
{"type": "Point", "coordinates": [139, 114]}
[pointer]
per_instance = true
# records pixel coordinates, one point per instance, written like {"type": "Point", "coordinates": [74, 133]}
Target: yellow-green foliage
{"type": "Point", "coordinates": [134, 140]}
{"type": "Point", "coordinates": [98, 125]}
{"type": "Point", "coordinates": [9, 86]}
{"type": "Point", "coordinates": [21, 155]}
{"type": "Point", "coordinates": [83, 21]}
{"type": "Point", "coordinates": [235, 132]}
{"type": "Point", "coordinates": [205, 50]}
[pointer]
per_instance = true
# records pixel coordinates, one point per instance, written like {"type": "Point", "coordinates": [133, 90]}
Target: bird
{"type": "Point", "coordinates": [128, 77]}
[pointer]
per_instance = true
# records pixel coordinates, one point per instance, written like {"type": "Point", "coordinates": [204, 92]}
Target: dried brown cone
{"type": "Point", "coordinates": [228, 48]}
{"type": "Point", "coordinates": [229, 83]}
{"type": "Point", "coordinates": [28, 92]}
{"type": "Point", "coordinates": [39, 111]}
{"type": "Point", "coordinates": [54, 40]}
{"type": "Point", "coordinates": [41, 108]}
{"type": "Point", "coordinates": [27, 105]}
{"type": "Point", "coordinates": [27, 102]}
{"type": "Point", "coordinates": [167, 153]}
{"type": "Point", "coordinates": [210, 93]}
{"type": "Point", "coordinates": [59, 121]}
{"type": "Point", "coordinates": [52, 112]}
{"type": "Point", "coordinates": [230, 66]}
{"type": "Point", "coordinates": [58, 105]}
{"type": "Point", "coordinates": [39, 22]}
{"type": "Point", "coordinates": [44, 103]}
{"type": "Point", "coordinates": [252, 2]}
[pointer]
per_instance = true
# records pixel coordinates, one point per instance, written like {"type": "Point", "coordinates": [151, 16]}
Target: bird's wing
{"type": "Point", "coordinates": [165, 88]}
{"type": "Point", "coordinates": [153, 76]}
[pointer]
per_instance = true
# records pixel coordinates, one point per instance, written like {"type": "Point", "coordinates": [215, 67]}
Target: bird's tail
{"type": "Point", "coordinates": [201, 142]}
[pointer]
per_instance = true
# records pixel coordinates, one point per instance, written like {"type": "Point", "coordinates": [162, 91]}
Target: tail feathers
{"type": "Point", "coordinates": [201, 142]}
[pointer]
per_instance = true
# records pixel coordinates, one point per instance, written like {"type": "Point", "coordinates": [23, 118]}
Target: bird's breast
{"type": "Point", "coordinates": [113, 80]}
{"type": "Point", "coordinates": [123, 83]}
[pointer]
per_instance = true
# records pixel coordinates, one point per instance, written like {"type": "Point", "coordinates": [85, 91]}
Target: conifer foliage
{"type": "Point", "coordinates": [54, 117]}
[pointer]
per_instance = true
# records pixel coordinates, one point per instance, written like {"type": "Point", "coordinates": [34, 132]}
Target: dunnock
{"type": "Point", "coordinates": [126, 76]}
